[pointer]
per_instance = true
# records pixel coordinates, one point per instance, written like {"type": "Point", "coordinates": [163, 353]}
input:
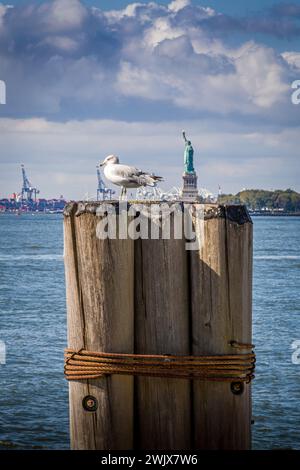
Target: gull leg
{"type": "Point", "coordinates": [121, 194]}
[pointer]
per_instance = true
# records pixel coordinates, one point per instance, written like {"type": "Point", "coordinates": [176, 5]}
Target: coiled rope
{"type": "Point", "coordinates": [83, 364]}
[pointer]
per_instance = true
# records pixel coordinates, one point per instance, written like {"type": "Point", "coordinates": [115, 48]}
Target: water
{"type": "Point", "coordinates": [276, 324]}
{"type": "Point", "coordinates": [34, 398]}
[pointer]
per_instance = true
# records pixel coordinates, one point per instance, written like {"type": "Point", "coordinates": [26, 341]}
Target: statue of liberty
{"type": "Point", "coordinates": [188, 155]}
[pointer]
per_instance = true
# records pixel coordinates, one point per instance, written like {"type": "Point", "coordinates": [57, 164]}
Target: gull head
{"type": "Point", "coordinates": [110, 159]}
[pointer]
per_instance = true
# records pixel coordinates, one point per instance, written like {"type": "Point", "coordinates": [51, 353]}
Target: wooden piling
{"type": "Point", "coordinates": [162, 405]}
{"type": "Point", "coordinates": [155, 297]}
{"type": "Point", "coordinates": [99, 279]}
{"type": "Point", "coordinates": [221, 291]}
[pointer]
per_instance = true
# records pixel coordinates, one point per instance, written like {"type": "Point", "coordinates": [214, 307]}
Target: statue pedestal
{"type": "Point", "coordinates": [189, 191]}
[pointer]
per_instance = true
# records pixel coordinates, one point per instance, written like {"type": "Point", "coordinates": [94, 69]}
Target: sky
{"type": "Point", "coordinates": [89, 78]}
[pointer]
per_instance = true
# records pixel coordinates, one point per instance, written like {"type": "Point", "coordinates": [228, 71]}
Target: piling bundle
{"type": "Point", "coordinates": [159, 330]}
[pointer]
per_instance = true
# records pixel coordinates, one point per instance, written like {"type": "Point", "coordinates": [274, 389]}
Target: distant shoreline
{"type": "Point", "coordinates": [251, 213]}
{"type": "Point", "coordinates": [274, 214]}
{"type": "Point", "coordinates": [16, 213]}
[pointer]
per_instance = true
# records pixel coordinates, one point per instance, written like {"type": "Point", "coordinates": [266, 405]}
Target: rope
{"type": "Point", "coordinates": [83, 364]}
{"type": "Point", "coordinates": [236, 344]}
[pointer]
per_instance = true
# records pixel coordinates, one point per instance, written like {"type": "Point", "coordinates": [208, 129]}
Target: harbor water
{"type": "Point", "coordinates": [34, 395]}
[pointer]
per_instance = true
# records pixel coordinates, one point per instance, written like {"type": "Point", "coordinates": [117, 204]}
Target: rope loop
{"type": "Point", "coordinates": [83, 364]}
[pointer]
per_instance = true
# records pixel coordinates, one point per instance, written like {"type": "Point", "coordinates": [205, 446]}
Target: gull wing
{"type": "Point", "coordinates": [129, 172]}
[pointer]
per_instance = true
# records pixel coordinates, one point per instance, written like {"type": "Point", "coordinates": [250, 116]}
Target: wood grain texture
{"type": "Point", "coordinates": [99, 276]}
{"type": "Point", "coordinates": [221, 274]}
{"type": "Point", "coordinates": [154, 297]}
{"type": "Point", "coordinates": [162, 406]}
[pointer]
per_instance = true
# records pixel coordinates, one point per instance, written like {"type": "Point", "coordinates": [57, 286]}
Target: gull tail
{"type": "Point", "coordinates": [151, 180]}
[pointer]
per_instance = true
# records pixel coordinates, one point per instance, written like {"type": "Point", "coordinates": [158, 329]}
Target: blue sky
{"type": "Point", "coordinates": [232, 7]}
{"type": "Point", "coordinates": [89, 78]}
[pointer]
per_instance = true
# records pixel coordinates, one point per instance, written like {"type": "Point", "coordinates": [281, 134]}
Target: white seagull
{"type": "Point", "coordinates": [127, 176]}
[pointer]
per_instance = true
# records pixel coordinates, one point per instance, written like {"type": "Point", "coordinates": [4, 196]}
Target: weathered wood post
{"type": "Point", "coordinates": [100, 300]}
{"type": "Point", "coordinates": [156, 297]}
{"type": "Point", "coordinates": [221, 307]}
{"type": "Point", "coordinates": [163, 405]}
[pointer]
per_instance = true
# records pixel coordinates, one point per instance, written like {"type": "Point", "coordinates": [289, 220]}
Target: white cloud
{"type": "Point", "coordinates": [160, 30]}
{"type": "Point", "coordinates": [61, 42]}
{"type": "Point", "coordinates": [181, 64]}
{"type": "Point", "coordinates": [130, 11]}
{"type": "Point", "coordinates": [242, 81]}
{"type": "Point", "coordinates": [262, 76]}
{"type": "Point", "coordinates": [139, 82]}
{"type": "Point", "coordinates": [292, 58]}
{"type": "Point", "coordinates": [177, 5]}
{"type": "Point", "coordinates": [63, 15]}
{"type": "Point", "coordinates": [72, 59]}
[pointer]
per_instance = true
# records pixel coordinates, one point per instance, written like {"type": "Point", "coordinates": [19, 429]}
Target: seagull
{"type": "Point", "coordinates": [127, 176]}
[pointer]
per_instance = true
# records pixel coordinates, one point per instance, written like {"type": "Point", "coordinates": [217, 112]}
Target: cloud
{"type": "Point", "coordinates": [292, 58]}
{"type": "Point", "coordinates": [63, 15]}
{"type": "Point", "coordinates": [62, 60]}
{"type": "Point", "coordinates": [178, 5]}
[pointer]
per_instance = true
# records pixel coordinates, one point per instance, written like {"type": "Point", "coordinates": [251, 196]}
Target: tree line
{"type": "Point", "coordinates": [260, 199]}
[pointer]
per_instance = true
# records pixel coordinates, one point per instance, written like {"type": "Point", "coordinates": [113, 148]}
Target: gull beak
{"type": "Point", "coordinates": [101, 164]}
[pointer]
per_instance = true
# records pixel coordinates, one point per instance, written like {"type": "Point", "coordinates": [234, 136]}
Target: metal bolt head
{"type": "Point", "coordinates": [237, 388]}
{"type": "Point", "coordinates": [90, 403]}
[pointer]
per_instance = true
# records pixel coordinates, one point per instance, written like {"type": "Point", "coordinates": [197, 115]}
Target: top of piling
{"type": "Point", "coordinates": [236, 213]}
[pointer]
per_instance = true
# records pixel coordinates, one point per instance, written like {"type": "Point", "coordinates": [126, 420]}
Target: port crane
{"type": "Point", "coordinates": [27, 189]}
{"type": "Point", "coordinates": [102, 190]}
